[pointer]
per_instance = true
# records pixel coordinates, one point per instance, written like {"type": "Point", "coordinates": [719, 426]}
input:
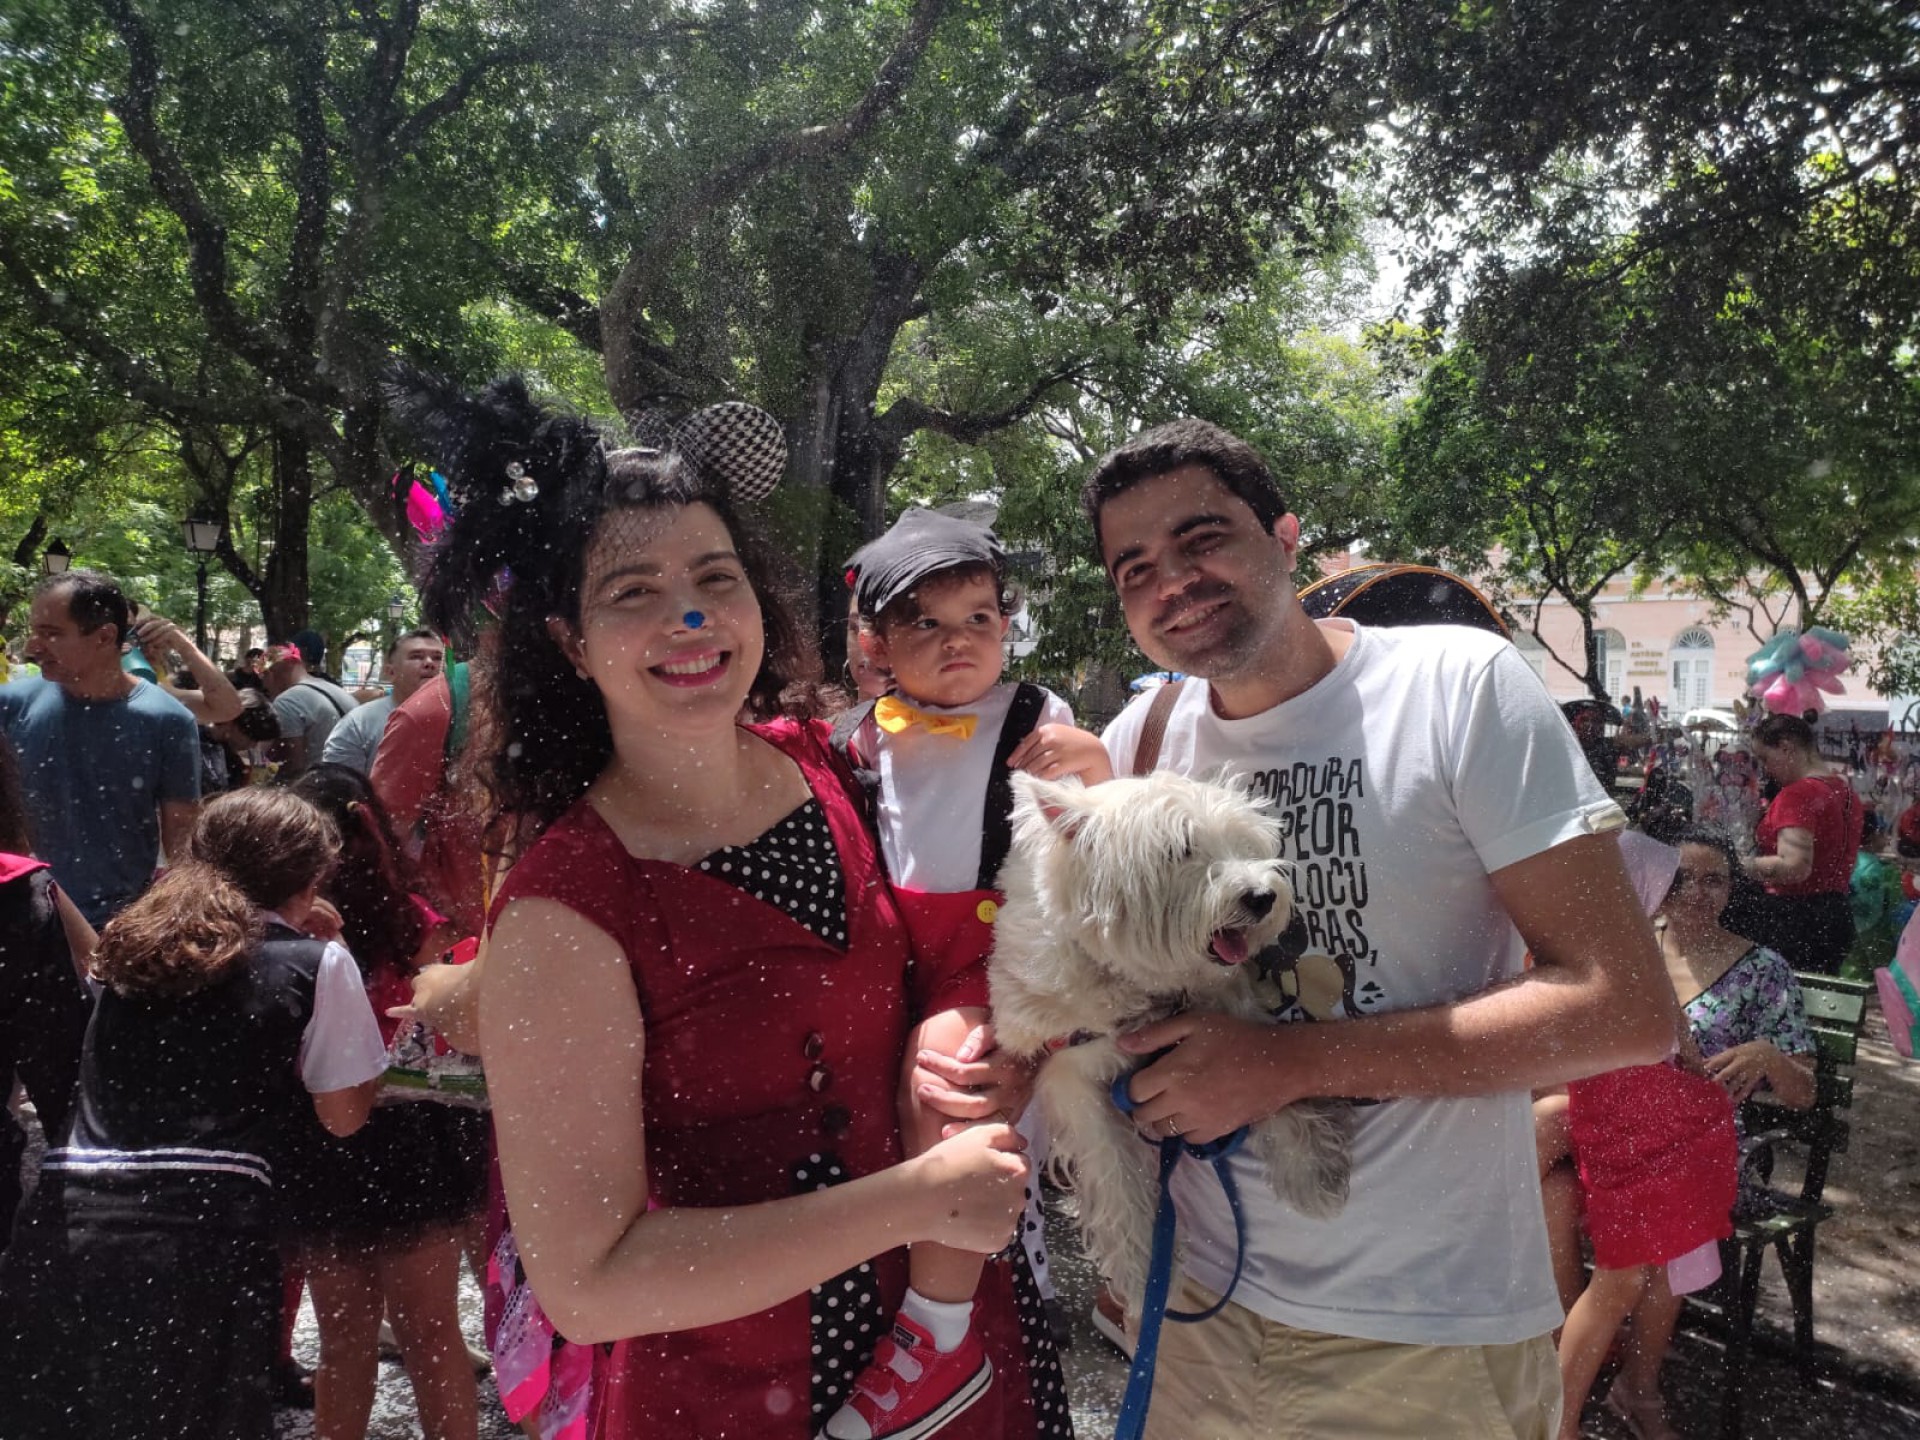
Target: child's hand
{"type": "Point", "coordinates": [1054, 751]}
{"type": "Point", "coordinates": [324, 922]}
{"type": "Point", "coordinates": [980, 1082]}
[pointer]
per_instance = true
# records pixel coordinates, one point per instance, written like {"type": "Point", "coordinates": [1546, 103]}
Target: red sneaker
{"type": "Point", "coordinates": [911, 1390]}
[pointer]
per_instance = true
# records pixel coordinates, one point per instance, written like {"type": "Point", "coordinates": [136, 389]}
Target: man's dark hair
{"type": "Point", "coordinates": [421, 633]}
{"type": "Point", "coordinates": [257, 720]}
{"type": "Point", "coordinates": [312, 646]}
{"type": "Point", "coordinates": [1237, 465]}
{"type": "Point", "coordinates": [93, 600]}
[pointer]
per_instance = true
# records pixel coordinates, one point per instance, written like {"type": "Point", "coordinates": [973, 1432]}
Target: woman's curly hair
{"type": "Point", "coordinates": [540, 731]}
{"type": "Point", "coordinates": [252, 850]}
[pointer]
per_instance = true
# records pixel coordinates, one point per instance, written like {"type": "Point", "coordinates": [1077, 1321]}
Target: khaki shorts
{"type": "Point", "coordinates": [1241, 1375]}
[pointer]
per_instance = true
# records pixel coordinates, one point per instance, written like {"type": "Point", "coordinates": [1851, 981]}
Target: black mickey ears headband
{"type": "Point", "coordinates": [737, 448]}
{"type": "Point", "coordinates": [504, 446]}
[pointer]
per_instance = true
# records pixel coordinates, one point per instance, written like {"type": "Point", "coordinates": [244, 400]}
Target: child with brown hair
{"type": "Point", "coordinates": [216, 1018]}
{"type": "Point", "coordinates": [379, 1215]}
{"type": "Point", "coordinates": [941, 748]}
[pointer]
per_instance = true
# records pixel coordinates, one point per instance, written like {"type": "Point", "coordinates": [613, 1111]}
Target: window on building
{"type": "Point", "coordinates": [1690, 663]}
{"type": "Point", "coordinates": [1613, 664]}
{"type": "Point", "coordinates": [1532, 651]}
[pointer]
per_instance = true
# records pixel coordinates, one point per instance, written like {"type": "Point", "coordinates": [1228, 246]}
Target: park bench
{"type": "Point", "coordinates": [1836, 1009]}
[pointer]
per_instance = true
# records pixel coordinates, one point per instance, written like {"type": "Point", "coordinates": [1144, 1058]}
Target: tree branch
{"type": "Point", "coordinates": [133, 376]}
{"type": "Point", "coordinates": [906, 415]}
{"type": "Point", "coordinates": [567, 308]}
{"type": "Point", "coordinates": [206, 236]}
{"type": "Point", "coordinates": [623, 302]}
{"type": "Point", "coordinates": [409, 137]}
{"type": "Point", "coordinates": [312, 192]}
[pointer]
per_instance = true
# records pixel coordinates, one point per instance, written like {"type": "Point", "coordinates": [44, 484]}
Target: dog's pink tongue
{"type": "Point", "coordinates": [1229, 946]}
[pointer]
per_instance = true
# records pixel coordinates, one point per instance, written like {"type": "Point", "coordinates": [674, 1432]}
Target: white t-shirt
{"type": "Point", "coordinates": [341, 1046]}
{"type": "Point", "coordinates": [932, 807]}
{"type": "Point", "coordinates": [1429, 757]}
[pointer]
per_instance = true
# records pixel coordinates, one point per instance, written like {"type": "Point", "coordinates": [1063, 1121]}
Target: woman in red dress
{"type": "Point", "coordinates": [697, 985]}
{"type": "Point", "coordinates": [1808, 841]}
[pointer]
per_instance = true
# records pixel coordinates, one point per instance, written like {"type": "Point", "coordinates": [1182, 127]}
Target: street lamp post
{"type": "Point", "coordinates": [396, 612]}
{"type": "Point", "coordinates": [56, 558]}
{"type": "Point", "coordinates": [203, 538]}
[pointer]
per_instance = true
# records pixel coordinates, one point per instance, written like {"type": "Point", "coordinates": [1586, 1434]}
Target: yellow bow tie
{"type": "Point", "coordinates": [892, 714]}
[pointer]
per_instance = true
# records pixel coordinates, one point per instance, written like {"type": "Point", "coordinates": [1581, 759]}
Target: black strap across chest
{"type": "Point", "coordinates": [996, 836]}
{"type": "Point", "coordinates": [339, 710]}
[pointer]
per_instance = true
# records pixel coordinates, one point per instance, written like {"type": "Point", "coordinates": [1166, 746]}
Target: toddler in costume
{"type": "Point", "coordinates": [939, 752]}
{"type": "Point", "coordinates": [1658, 1160]}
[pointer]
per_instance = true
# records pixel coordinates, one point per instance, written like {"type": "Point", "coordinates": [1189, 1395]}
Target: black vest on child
{"type": "Point", "coordinates": [183, 1098]}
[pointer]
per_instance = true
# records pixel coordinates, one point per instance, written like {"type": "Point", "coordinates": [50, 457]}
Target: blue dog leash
{"type": "Point", "coordinates": [1153, 1306]}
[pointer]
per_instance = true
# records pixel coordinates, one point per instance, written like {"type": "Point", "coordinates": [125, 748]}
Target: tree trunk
{"type": "Point", "coordinates": [362, 467]}
{"type": "Point", "coordinates": [1595, 678]}
{"type": "Point", "coordinates": [29, 545]}
{"type": "Point", "coordinates": [841, 461]}
{"type": "Point", "coordinates": [283, 591]}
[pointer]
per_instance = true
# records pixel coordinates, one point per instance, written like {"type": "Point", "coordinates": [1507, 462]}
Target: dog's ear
{"type": "Point", "coordinates": [1063, 807]}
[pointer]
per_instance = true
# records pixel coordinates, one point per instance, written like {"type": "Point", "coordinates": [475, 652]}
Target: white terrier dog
{"type": "Point", "coordinates": [1126, 903]}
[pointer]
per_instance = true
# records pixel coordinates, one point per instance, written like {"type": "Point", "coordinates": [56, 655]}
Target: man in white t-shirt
{"type": "Point", "coordinates": [1441, 822]}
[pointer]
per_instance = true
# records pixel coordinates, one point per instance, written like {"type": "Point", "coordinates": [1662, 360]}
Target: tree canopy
{"type": "Point", "coordinates": [945, 240]}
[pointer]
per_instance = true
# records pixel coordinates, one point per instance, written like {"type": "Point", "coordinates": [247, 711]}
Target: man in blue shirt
{"type": "Point", "coordinates": [110, 762]}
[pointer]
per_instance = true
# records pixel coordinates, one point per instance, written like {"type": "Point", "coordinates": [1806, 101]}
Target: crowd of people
{"type": "Point", "coordinates": [751, 1159]}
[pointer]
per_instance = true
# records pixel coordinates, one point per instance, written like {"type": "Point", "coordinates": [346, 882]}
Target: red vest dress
{"type": "Point", "coordinates": [744, 1008]}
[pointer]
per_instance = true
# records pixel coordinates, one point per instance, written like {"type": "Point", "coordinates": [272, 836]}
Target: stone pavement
{"type": "Point", "coordinates": [1866, 1307]}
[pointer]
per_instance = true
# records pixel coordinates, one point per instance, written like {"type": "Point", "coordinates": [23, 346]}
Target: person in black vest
{"type": "Point", "coordinates": [43, 1005]}
{"type": "Point", "coordinates": [140, 1294]}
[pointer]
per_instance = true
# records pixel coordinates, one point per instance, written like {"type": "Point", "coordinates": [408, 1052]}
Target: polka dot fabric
{"type": "Point", "coordinates": [848, 1320]}
{"type": "Point", "coordinates": [1052, 1417]}
{"type": "Point", "coordinates": [792, 867]}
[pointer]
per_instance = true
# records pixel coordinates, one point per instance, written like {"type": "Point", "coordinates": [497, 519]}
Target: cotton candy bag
{"type": "Point", "coordinates": [1900, 988]}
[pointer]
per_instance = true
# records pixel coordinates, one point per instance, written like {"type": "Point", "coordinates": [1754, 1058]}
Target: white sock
{"type": "Point", "coordinates": [945, 1320]}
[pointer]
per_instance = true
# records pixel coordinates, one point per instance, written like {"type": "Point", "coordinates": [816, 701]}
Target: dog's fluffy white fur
{"type": "Point", "coordinates": [1125, 903]}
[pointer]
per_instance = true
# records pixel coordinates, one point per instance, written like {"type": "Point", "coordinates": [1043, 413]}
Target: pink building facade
{"type": "Point", "coordinates": [1668, 644]}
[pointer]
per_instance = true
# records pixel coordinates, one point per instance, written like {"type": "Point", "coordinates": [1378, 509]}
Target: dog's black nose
{"type": "Point", "coordinates": [1257, 903]}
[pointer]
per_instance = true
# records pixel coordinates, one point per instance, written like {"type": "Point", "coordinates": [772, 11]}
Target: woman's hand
{"type": "Point", "coordinates": [975, 1187]}
{"type": "Point", "coordinates": [979, 1082]}
{"type": "Point", "coordinates": [446, 999]}
{"type": "Point", "coordinates": [1687, 1053]}
{"type": "Point", "coordinates": [1742, 1069]}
